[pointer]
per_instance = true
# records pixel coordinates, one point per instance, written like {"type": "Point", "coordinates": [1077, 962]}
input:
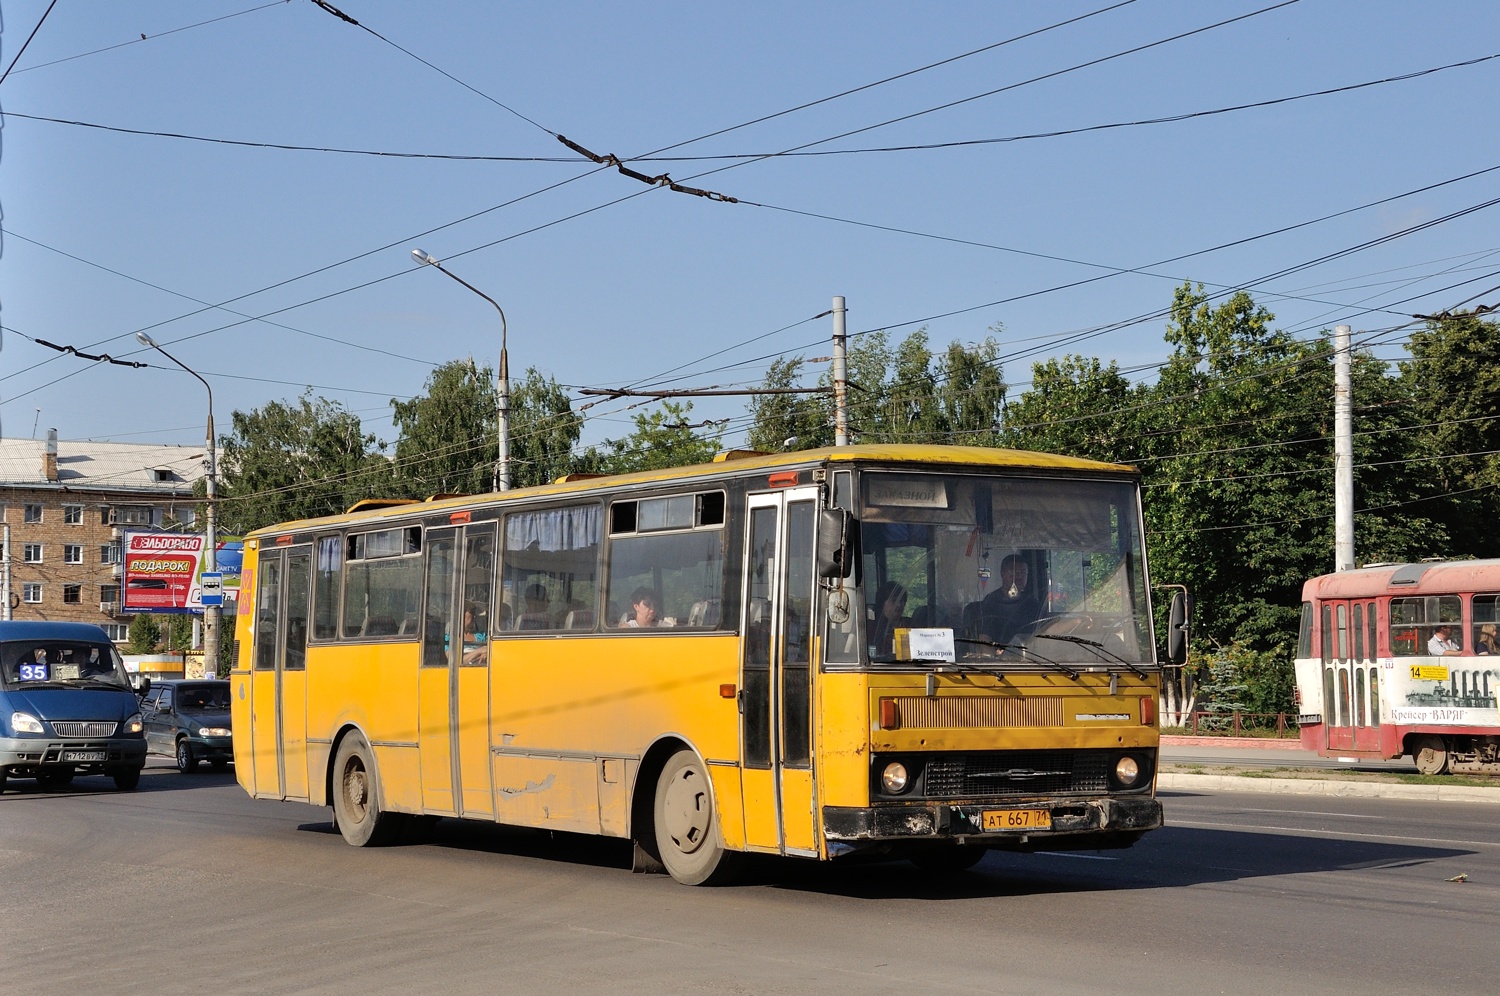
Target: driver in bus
{"type": "Point", "coordinates": [1012, 606]}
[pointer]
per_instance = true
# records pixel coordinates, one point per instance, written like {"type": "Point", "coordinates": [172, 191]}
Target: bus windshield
{"type": "Point", "coordinates": [1025, 570]}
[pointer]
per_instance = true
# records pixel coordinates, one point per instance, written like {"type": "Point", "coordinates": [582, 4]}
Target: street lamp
{"type": "Point", "coordinates": [502, 377]}
{"type": "Point", "coordinates": [211, 613]}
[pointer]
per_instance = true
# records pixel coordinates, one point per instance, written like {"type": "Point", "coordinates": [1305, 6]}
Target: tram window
{"type": "Point", "coordinates": [1329, 716]}
{"type": "Point", "coordinates": [1370, 622]}
{"type": "Point", "coordinates": [1486, 612]}
{"type": "Point", "coordinates": [1359, 696]}
{"type": "Point", "coordinates": [1359, 631]}
{"type": "Point", "coordinates": [551, 569]}
{"type": "Point", "coordinates": [1415, 618]}
{"type": "Point", "coordinates": [1304, 632]}
{"type": "Point", "coordinates": [1326, 633]}
{"type": "Point", "coordinates": [1342, 650]}
{"type": "Point", "coordinates": [1344, 719]}
{"type": "Point", "coordinates": [1374, 696]}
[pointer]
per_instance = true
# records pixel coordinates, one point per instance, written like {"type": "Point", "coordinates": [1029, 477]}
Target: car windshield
{"type": "Point", "coordinates": [1029, 571]}
{"type": "Point", "coordinates": [33, 662]}
{"type": "Point", "coordinates": [203, 698]}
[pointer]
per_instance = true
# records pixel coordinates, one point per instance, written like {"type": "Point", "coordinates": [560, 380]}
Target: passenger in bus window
{"type": "Point", "coordinates": [644, 606]}
{"type": "Point", "coordinates": [536, 614]}
{"type": "Point", "coordinates": [1486, 643]}
{"type": "Point", "coordinates": [1441, 644]}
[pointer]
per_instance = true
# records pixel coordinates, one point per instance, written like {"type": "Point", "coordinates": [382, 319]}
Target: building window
{"type": "Point", "coordinates": [106, 515]}
{"type": "Point", "coordinates": [32, 553]}
{"type": "Point", "coordinates": [72, 553]}
{"type": "Point", "coordinates": [134, 515]}
{"type": "Point", "coordinates": [109, 553]}
{"type": "Point", "coordinates": [73, 515]}
{"type": "Point", "coordinates": [118, 632]}
{"type": "Point", "coordinates": [72, 594]}
{"type": "Point", "coordinates": [33, 513]}
{"type": "Point", "coordinates": [31, 593]}
{"type": "Point", "coordinates": [109, 593]}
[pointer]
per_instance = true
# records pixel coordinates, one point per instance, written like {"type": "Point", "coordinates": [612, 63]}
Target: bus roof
{"type": "Point", "coordinates": [742, 463]}
{"type": "Point", "coordinates": [1433, 577]}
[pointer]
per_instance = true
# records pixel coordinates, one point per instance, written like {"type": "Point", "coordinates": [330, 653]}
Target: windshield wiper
{"type": "Point", "coordinates": [1026, 652]}
{"type": "Point", "coordinates": [49, 683]}
{"type": "Point", "coordinates": [1096, 646]}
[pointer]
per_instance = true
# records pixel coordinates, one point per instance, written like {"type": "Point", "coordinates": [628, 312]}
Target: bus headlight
{"type": "Point", "coordinates": [894, 778]}
{"type": "Point", "coordinates": [1127, 771]}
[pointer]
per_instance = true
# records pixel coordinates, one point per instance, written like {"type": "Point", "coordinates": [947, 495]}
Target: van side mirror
{"type": "Point", "coordinates": [1179, 626]}
{"type": "Point", "coordinates": [838, 543]}
{"type": "Point", "coordinates": [144, 687]}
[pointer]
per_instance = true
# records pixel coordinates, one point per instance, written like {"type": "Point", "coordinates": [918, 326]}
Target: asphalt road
{"type": "Point", "coordinates": [187, 886]}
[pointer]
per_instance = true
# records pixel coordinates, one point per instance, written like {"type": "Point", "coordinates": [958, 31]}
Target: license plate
{"type": "Point", "coordinates": [1017, 819]}
{"type": "Point", "coordinates": [83, 755]}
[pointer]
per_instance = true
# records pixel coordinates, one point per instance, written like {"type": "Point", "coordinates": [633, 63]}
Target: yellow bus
{"type": "Point", "coordinates": [923, 651]}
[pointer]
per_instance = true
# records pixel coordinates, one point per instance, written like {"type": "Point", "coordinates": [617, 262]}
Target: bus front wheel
{"type": "Point", "coordinates": [356, 796]}
{"type": "Point", "coordinates": [687, 835]}
{"type": "Point", "coordinates": [1430, 754]}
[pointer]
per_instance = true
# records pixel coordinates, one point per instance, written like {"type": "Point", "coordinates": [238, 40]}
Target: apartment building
{"type": "Point", "coordinates": [66, 506]}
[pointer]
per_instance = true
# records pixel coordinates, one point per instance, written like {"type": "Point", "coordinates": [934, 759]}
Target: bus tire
{"type": "Point", "coordinates": [687, 834]}
{"type": "Point", "coordinates": [356, 796]}
{"type": "Point", "coordinates": [1430, 754]}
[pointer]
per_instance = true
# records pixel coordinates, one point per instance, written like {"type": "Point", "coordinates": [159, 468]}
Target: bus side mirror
{"type": "Point", "coordinates": [1178, 628]}
{"type": "Point", "coordinates": [837, 543]}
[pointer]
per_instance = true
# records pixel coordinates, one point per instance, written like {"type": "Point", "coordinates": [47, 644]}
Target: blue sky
{"type": "Point", "coordinates": [627, 290]}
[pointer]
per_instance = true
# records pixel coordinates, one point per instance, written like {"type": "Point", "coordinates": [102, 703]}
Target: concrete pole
{"type": "Point", "coordinates": [1343, 454]}
{"type": "Point", "coordinates": [5, 570]}
{"type": "Point", "coordinates": [212, 614]}
{"type": "Point", "coordinates": [840, 376]}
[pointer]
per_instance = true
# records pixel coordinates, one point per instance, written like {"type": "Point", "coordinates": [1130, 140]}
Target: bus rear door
{"type": "Point", "coordinates": [776, 673]}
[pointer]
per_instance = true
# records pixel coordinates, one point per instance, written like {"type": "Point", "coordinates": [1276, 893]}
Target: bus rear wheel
{"type": "Point", "coordinates": [356, 796]}
{"type": "Point", "coordinates": [1430, 754]}
{"type": "Point", "coordinates": [687, 835]}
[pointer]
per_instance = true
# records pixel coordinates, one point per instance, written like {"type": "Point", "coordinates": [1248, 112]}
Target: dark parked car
{"type": "Point", "coordinates": [188, 720]}
{"type": "Point", "coordinates": [66, 706]}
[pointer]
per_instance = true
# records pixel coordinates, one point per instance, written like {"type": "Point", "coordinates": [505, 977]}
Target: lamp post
{"type": "Point", "coordinates": [211, 613]}
{"type": "Point", "coordinates": [502, 376]}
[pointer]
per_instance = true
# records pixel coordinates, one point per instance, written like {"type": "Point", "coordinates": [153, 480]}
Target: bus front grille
{"type": "Point", "coordinates": [91, 728]}
{"type": "Point", "coordinates": [1016, 772]}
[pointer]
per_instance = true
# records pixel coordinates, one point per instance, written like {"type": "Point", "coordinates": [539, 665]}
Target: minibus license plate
{"type": "Point", "coordinates": [1017, 819]}
{"type": "Point", "coordinates": [83, 755]}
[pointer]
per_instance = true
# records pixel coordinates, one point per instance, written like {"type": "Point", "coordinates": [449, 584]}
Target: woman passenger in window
{"type": "Point", "coordinates": [1486, 644]}
{"type": "Point", "coordinates": [644, 606]}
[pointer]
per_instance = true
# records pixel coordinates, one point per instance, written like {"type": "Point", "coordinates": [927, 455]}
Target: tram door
{"type": "Point", "coordinates": [278, 681]}
{"type": "Point", "coordinates": [1351, 675]}
{"type": "Point", "coordinates": [776, 673]}
{"type": "Point", "coordinates": [453, 689]}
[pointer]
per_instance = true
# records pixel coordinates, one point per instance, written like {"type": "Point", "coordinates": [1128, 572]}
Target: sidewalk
{"type": "Point", "coordinates": [1289, 754]}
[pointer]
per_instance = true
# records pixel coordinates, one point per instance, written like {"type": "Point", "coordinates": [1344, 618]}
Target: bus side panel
{"type": "Point", "coordinates": [731, 810]}
{"type": "Point", "coordinates": [239, 719]}
{"type": "Point", "coordinates": [372, 687]}
{"type": "Point", "coordinates": [560, 793]}
{"type": "Point", "coordinates": [595, 698]}
{"type": "Point", "coordinates": [294, 732]}
{"type": "Point", "coordinates": [843, 739]}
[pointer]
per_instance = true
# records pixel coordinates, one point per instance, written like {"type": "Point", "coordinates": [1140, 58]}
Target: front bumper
{"type": "Point", "coordinates": [215, 750]}
{"type": "Point", "coordinates": [1080, 824]}
{"type": "Point", "coordinates": [28, 755]}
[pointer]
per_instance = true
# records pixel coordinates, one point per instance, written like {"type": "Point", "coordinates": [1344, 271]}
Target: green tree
{"type": "Point", "coordinates": [662, 438]}
{"type": "Point", "coordinates": [447, 441]}
{"type": "Point", "coordinates": [1078, 407]}
{"type": "Point", "coordinates": [143, 635]}
{"type": "Point", "coordinates": [805, 419]}
{"type": "Point", "coordinates": [544, 430]}
{"type": "Point", "coordinates": [289, 461]}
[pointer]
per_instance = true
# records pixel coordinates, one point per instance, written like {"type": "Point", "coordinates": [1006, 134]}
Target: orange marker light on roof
{"type": "Point", "coordinates": [782, 479]}
{"type": "Point", "coordinates": [458, 518]}
{"type": "Point", "coordinates": [283, 541]}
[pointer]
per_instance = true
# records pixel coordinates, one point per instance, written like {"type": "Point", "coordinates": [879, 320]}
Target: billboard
{"type": "Point", "coordinates": [162, 572]}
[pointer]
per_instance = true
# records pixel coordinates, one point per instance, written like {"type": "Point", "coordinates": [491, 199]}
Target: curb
{"type": "Point", "coordinates": [1179, 782]}
{"type": "Point", "coordinates": [1239, 743]}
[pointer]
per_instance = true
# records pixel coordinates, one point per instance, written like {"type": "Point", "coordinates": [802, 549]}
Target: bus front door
{"type": "Point", "coordinates": [776, 673]}
{"type": "Point", "coordinates": [278, 686]}
{"type": "Point", "coordinates": [453, 724]}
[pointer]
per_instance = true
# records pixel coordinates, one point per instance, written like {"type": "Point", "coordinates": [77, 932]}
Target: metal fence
{"type": "Point", "coordinates": [1242, 724]}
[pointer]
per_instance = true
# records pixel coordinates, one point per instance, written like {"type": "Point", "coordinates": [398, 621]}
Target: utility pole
{"type": "Point", "coordinates": [840, 375]}
{"type": "Point", "coordinates": [1343, 454]}
{"type": "Point", "coordinates": [5, 570]}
